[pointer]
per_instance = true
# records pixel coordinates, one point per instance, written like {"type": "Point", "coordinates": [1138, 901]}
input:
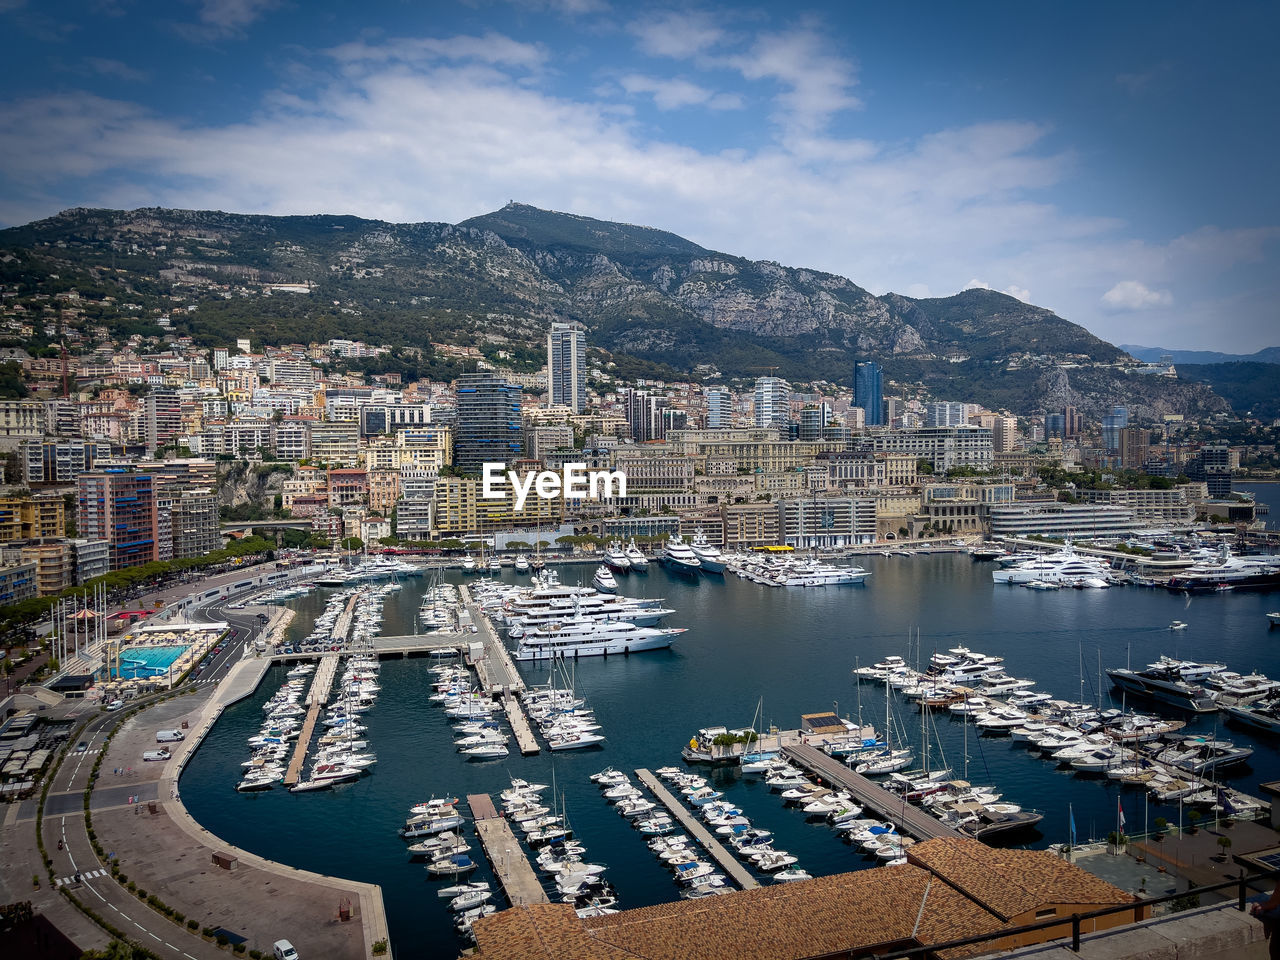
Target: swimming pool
{"type": "Point", "coordinates": [149, 661]}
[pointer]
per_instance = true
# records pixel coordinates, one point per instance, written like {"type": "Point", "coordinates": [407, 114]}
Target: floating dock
{"type": "Point", "coordinates": [724, 860]}
{"type": "Point", "coordinates": [525, 739]}
{"type": "Point", "coordinates": [910, 820]}
{"type": "Point", "coordinates": [497, 671]}
{"type": "Point", "coordinates": [506, 856]}
{"type": "Point", "coordinates": [317, 697]}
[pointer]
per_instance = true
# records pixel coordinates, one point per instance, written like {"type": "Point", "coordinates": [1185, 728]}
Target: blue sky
{"type": "Point", "coordinates": [1112, 162]}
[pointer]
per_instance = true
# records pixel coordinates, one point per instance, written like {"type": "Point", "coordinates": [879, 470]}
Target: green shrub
{"type": "Point", "coordinates": [222, 939]}
{"type": "Point", "coordinates": [239, 948]}
{"type": "Point", "coordinates": [132, 886]}
{"type": "Point", "coordinates": [193, 924]}
{"type": "Point", "coordinates": [380, 946]}
{"type": "Point", "coordinates": [178, 917]}
{"type": "Point", "coordinates": [255, 954]}
{"type": "Point", "coordinates": [206, 931]}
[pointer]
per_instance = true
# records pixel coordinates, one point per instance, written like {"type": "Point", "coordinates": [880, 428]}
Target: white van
{"type": "Point", "coordinates": [169, 736]}
{"type": "Point", "coordinates": [285, 951]}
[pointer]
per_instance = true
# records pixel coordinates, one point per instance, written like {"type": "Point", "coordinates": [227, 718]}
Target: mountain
{"type": "Point", "coordinates": [1151, 354]}
{"type": "Point", "coordinates": [655, 304]}
{"type": "Point", "coordinates": [1252, 389]}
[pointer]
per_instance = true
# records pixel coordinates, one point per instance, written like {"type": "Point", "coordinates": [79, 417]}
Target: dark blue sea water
{"type": "Point", "coordinates": [794, 649]}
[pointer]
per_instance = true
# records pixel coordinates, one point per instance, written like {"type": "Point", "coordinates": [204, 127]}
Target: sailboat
{"type": "Point", "coordinates": [888, 760]}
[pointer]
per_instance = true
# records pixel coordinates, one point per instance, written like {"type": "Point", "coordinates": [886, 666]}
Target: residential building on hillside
{"type": "Point", "coordinates": [567, 366]}
{"type": "Point", "coordinates": [772, 402]}
{"type": "Point", "coordinates": [719, 408]}
{"type": "Point", "coordinates": [868, 393]}
{"type": "Point", "coordinates": [488, 428]}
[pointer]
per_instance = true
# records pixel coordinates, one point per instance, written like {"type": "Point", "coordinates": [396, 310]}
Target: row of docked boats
{"type": "Point", "coordinates": [1052, 571]}
{"type": "Point", "coordinates": [435, 826]}
{"type": "Point", "coordinates": [625, 558]}
{"type": "Point", "coordinates": [559, 856]}
{"type": "Point", "coordinates": [478, 733]}
{"type": "Point", "coordinates": [1135, 749]}
{"type": "Point", "coordinates": [563, 718]}
{"type": "Point", "coordinates": [368, 570]}
{"type": "Point", "coordinates": [555, 621]}
{"type": "Point", "coordinates": [772, 570]}
{"type": "Point", "coordinates": [342, 755]}
{"type": "Point", "coordinates": [750, 844]}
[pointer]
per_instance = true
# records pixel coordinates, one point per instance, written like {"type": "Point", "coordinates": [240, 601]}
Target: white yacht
{"type": "Point", "coordinates": [679, 556]}
{"type": "Point", "coordinates": [1226, 570]}
{"type": "Point", "coordinates": [616, 558]}
{"type": "Point", "coordinates": [815, 574]}
{"type": "Point", "coordinates": [587, 638]}
{"type": "Point", "coordinates": [522, 564]}
{"type": "Point", "coordinates": [708, 554]}
{"type": "Point", "coordinates": [495, 564]}
{"type": "Point", "coordinates": [468, 564]}
{"type": "Point", "coordinates": [1062, 566]}
{"type": "Point", "coordinates": [639, 562]}
{"type": "Point", "coordinates": [603, 580]}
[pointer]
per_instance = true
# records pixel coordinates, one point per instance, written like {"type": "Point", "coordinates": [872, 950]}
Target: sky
{"type": "Point", "coordinates": [1113, 162]}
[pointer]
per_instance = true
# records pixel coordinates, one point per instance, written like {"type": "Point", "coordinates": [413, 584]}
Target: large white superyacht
{"type": "Point", "coordinates": [1061, 566]}
{"type": "Point", "coordinates": [679, 556]}
{"type": "Point", "coordinates": [708, 554]}
{"type": "Point", "coordinates": [592, 638]}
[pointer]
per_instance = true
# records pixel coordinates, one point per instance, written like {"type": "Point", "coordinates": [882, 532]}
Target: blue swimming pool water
{"type": "Point", "coordinates": [149, 661]}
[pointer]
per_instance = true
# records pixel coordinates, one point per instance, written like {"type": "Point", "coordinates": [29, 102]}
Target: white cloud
{"type": "Point", "coordinates": [492, 48]}
{"type": "Point", "coordinates": [815, 82]}
{"type": "Point", "coordinates": [677, 93]}
{"type": "Point", "coordinates": [115, 68]}
{"type": "Point", "coordinates": [677, 34]}
{"type": "Point", "coordinates": [231, 15]}
{"type": "Point", "coordinates": [1132, 295]}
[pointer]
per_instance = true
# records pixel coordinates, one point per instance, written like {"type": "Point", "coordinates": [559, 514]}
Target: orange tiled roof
{"type": "Point", "coordinates": [1012, 882]}
{"type": "Point", "coordinates": [849, 911]}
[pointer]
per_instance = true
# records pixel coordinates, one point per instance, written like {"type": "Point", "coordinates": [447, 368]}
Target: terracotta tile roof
{"type": "Point", "coordinates": [845, 912]}
{"type": "Point", "coordinates": [1012, 882]}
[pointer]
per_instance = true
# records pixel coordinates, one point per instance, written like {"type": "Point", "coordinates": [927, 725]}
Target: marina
{"type": "Point", "coordinates": [794, 647]}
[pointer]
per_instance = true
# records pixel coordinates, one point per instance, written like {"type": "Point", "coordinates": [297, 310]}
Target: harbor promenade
{"type": "Point", "coordinates": [506, 856]}
{"type": "Point", "coordinates": [726, 862]}
{"type": "Point", "coordinates": [910, 820]}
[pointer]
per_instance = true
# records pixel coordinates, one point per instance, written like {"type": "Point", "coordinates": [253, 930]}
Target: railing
{"type": "Point", "coordinates": [1240, 884]}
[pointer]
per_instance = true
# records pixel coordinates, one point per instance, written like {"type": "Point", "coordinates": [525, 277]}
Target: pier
{"type": "Point", "coordinates": [910, 820]}
{"type": "Point", "coordinates": [726, 862]}
{"type": "Point", "coordinates": [496, 669]}
{"type": "Point", "coordinates": [525, 739]}
{"type": "Point", "coordinates": [317, 697]}
{"type": "Point", "coordinates": [506, 856]}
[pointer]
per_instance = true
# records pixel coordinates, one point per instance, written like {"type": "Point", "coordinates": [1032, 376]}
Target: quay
{"type": "Point", "coordinates": [735, 870]}
{"type": "Point", "coordinates": [506, 856]}
{"type": "Point", "coordinates": [496, 669]}
{"type": "Point", "coordinates": [317, 697]}
{"type": "Point", "coordinates": [910, 820]}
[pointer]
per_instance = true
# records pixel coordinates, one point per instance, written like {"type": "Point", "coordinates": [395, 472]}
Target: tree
{"type": "Point", "coordinates": [352, 543]}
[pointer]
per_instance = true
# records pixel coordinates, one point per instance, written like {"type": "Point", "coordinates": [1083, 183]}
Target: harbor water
{"type": "Point", "coordinates": [790, 650]}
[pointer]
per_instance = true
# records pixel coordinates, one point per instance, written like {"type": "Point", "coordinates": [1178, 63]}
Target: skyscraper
{"type": "Point", "coordinates": [773, 402]}
{"type": "Point", "coordinates": [868, 392]}
{"type": "Point", "coordinates": [719, 408]}
{"type": "Point", "coordinates": [644, 414]}
{"type": "Point", "coordinates": [488, 428]}
{"type": "Point", "coordinates": [567, 366]}
{"type": "Point", "coordinates": [1112, 424]}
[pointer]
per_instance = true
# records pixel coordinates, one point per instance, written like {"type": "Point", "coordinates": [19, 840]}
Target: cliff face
{"type": "Point", "coordinates": [643, 293]}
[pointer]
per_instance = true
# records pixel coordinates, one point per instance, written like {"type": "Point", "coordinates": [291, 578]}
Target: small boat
{"type": "Point", "coordinates": [1177, 625]}
{"type": "Point", "coordinates": [460, 888]}
{"type": "Point", "coordinates": [452, 865]}
{"type": "Point", "coordinates": [491, 750]}
{"type": "Point", "coordinates": [469, 900]}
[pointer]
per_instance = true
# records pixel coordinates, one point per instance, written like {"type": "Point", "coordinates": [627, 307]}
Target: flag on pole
{"type": "Point", "coordinates": [1072, 814]}
{"type": "Point", "coordinates": [1120, 814]}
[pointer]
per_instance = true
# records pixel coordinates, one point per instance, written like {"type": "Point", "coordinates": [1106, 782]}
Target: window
{"type": "Point", "coordinates": [1046, 914]}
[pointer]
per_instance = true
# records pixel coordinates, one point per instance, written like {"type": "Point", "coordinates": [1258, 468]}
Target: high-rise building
{"type": "Point", "coordinates": [118, 505]}
{"type": "Point", "coordinates": [814, 419]}
{"type": "Point", "coordinates": [945, 414]}
{"type": "Point", "coordinates": [1072, 423]}
{"type": "Point", "coordinates": [719, 408]}
{"type": "Point", "coordinates": [162, 410]}
{"type": "Point", "coordinates": [773, 402]}
{"type": "Point", "coordinates": [1112, 424]}
{"type": "Point", "coordinates": [868, 392]}
{"type": "Point", "coordinates": [1135, 444]}
{"type": "Point", "coordinates": [1055, 425]}
{"type": "Point", "coordinates": [567, 366]}
{"type": "Point", "coordinates": [644, 414]}
{"type": "Point", "coordinates": [488, 428]}
{"type": "Point", "coordinates": [1004, 434]}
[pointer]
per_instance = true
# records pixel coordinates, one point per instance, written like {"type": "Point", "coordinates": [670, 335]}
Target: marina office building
{"type": "Point", "coordinates": [1080, 521]}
